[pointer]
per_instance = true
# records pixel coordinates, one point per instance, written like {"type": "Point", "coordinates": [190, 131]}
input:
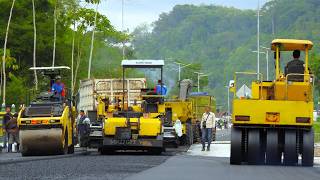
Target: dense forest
{"type": "Point", "coordinates": [74, 24]}
{"type": "Point", "coordinates": [220, 40]}
{"type": "Point", "coordinates": [217, 41]}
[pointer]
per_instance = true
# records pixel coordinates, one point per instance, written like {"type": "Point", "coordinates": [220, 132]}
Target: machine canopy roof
{"type": "Point", "coordinates": [291, 44]}
{"type": "Point", "coordinates": [50, 68]}
{"type": "Point", "coordinates": [142, 63]}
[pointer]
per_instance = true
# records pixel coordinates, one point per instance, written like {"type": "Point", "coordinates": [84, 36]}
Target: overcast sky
{"type": "Point", "coordinates": [148, 11]}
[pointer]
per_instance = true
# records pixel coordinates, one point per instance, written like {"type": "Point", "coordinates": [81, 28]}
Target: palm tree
{"type": "Point", "coordinates": [4, 55]}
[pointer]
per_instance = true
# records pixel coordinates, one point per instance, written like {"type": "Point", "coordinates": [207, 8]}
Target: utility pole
{"type": "Point", "coordinates": [258, 41]}
{"type": "Point", "coordinates": [199, 76]}
{"type": "Point", "coordinates": [122, 28]}
{"type": "Point", "coordinates": [92, 40]}
{"type": "Point", "coordinates": [267, 59]}
{"type": "Point", "coordinates": [228, 99]}
{"type": "Point", "coordinates": [181, 66]}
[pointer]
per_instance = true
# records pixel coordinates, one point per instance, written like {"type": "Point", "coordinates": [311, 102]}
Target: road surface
{"type": "Point", "coordinates": [175, 164]}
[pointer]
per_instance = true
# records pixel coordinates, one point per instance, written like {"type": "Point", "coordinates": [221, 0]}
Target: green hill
{"type": "Point", "coordinates": [221, 39]}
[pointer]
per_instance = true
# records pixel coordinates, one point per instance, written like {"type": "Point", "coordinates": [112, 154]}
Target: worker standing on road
{"type": "Point", "coordinates": [13, 132]}
{"type": "Point", "coordinates": [83, 123]}
{"type": "Point", "coordinates": [6, 119]}
{"type": "Point", "coordinates": [58, 88]}
{"type": "Point", "coordinates": [207, 125]}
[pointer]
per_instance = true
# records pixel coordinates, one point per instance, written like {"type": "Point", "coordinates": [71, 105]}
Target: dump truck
{"type": "Point", "coordinates": [272, 121]}
{"type": "Point", "coordinates": [126, 125]}
{"type": "Point", "coordinates": [200, 100]}
{"type": "Point", "coordinates": [47, 124]}
{"type": "Point", "coordinates": [90, 89]}
{"type": "Point", "coordinates": [188, 108]}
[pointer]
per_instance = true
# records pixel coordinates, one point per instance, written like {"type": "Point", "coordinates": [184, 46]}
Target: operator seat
{"type": "Point", "coordinates": [295, 67]}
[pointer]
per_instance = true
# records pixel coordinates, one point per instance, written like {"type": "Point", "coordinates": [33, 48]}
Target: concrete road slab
{"type": "Point", "coordinates": [216, 150]}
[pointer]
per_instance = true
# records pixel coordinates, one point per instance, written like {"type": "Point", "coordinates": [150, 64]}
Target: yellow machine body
{"type": "Point", "coordinates": [146, 127]}
{"type": "Point", "coordinates": [144, 130]}
{"type": "Point", "coordinates": [47, 135]}
{"type": "Point", "coordinates": [1, 120]}
{"type": "Point", "coordinates": [281, 102]}
{"type": "Point", "coordinates": [276, 119]}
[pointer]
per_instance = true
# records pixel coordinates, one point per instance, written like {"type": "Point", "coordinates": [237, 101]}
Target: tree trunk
{"type": "Point", "coordinates": [34, 45]}
{"type": "Point", "coordinates": [72, 59]}
{"type": "Point", "coordinates": [4, 55]}
{"type": "Point", "coordinates": [92, 40]}
{"type": "Point", "coordinates": [78, 63]}
{"type": "Point", "coordinates": [54, 33]}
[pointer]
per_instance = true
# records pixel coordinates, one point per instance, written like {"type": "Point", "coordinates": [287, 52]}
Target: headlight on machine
{"type": "Point", "coordinates": [54, 121]}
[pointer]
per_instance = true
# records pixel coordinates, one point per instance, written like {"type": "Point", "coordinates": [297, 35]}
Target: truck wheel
{"type": "Point", "coordinates": [189, 134]}
{"type": "Point", "coordinates": [273, 152]}
{"type": "Point", "coordinates": [290, 147]}
{"type": "Point", "coordinates": [255, 148]}
{"type": "Point", "coordinates": [237, 151]}
{"type": "Point", "coordinates": [308, 148]}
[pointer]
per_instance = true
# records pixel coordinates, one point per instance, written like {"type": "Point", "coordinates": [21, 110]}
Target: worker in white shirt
{"type": "Point", "coordinates": [207, 125]}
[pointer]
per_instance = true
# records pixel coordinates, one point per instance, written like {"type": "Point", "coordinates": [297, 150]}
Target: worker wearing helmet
{"type": "Point", "coordinates": [58, 87]}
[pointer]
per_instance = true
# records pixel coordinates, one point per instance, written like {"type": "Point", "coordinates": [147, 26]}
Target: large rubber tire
{"type": "Point", "coordinates": [308, 148]}
{"type": "Point", "coordinates": [236, 152]}
{"type": "Point", "coordinates": [196, 133]}
{"type": "Point", "coordinates": [255, 148]}
{"type": "Point", "coordinates": [290, 148]}
{"type": "Point", "coordinates": [273, 152]}
{"type": "Point", "coordinates": [189, 134]}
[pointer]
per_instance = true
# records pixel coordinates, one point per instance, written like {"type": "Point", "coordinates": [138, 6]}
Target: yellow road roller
{"type": "Point", "coordinates": [272, 120]}
{"type": "Point", "coordinates": [46, 125]}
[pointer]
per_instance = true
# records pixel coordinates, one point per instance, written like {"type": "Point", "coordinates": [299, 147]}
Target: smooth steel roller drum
{"type": "Point", "coordinates": [41, 142]}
